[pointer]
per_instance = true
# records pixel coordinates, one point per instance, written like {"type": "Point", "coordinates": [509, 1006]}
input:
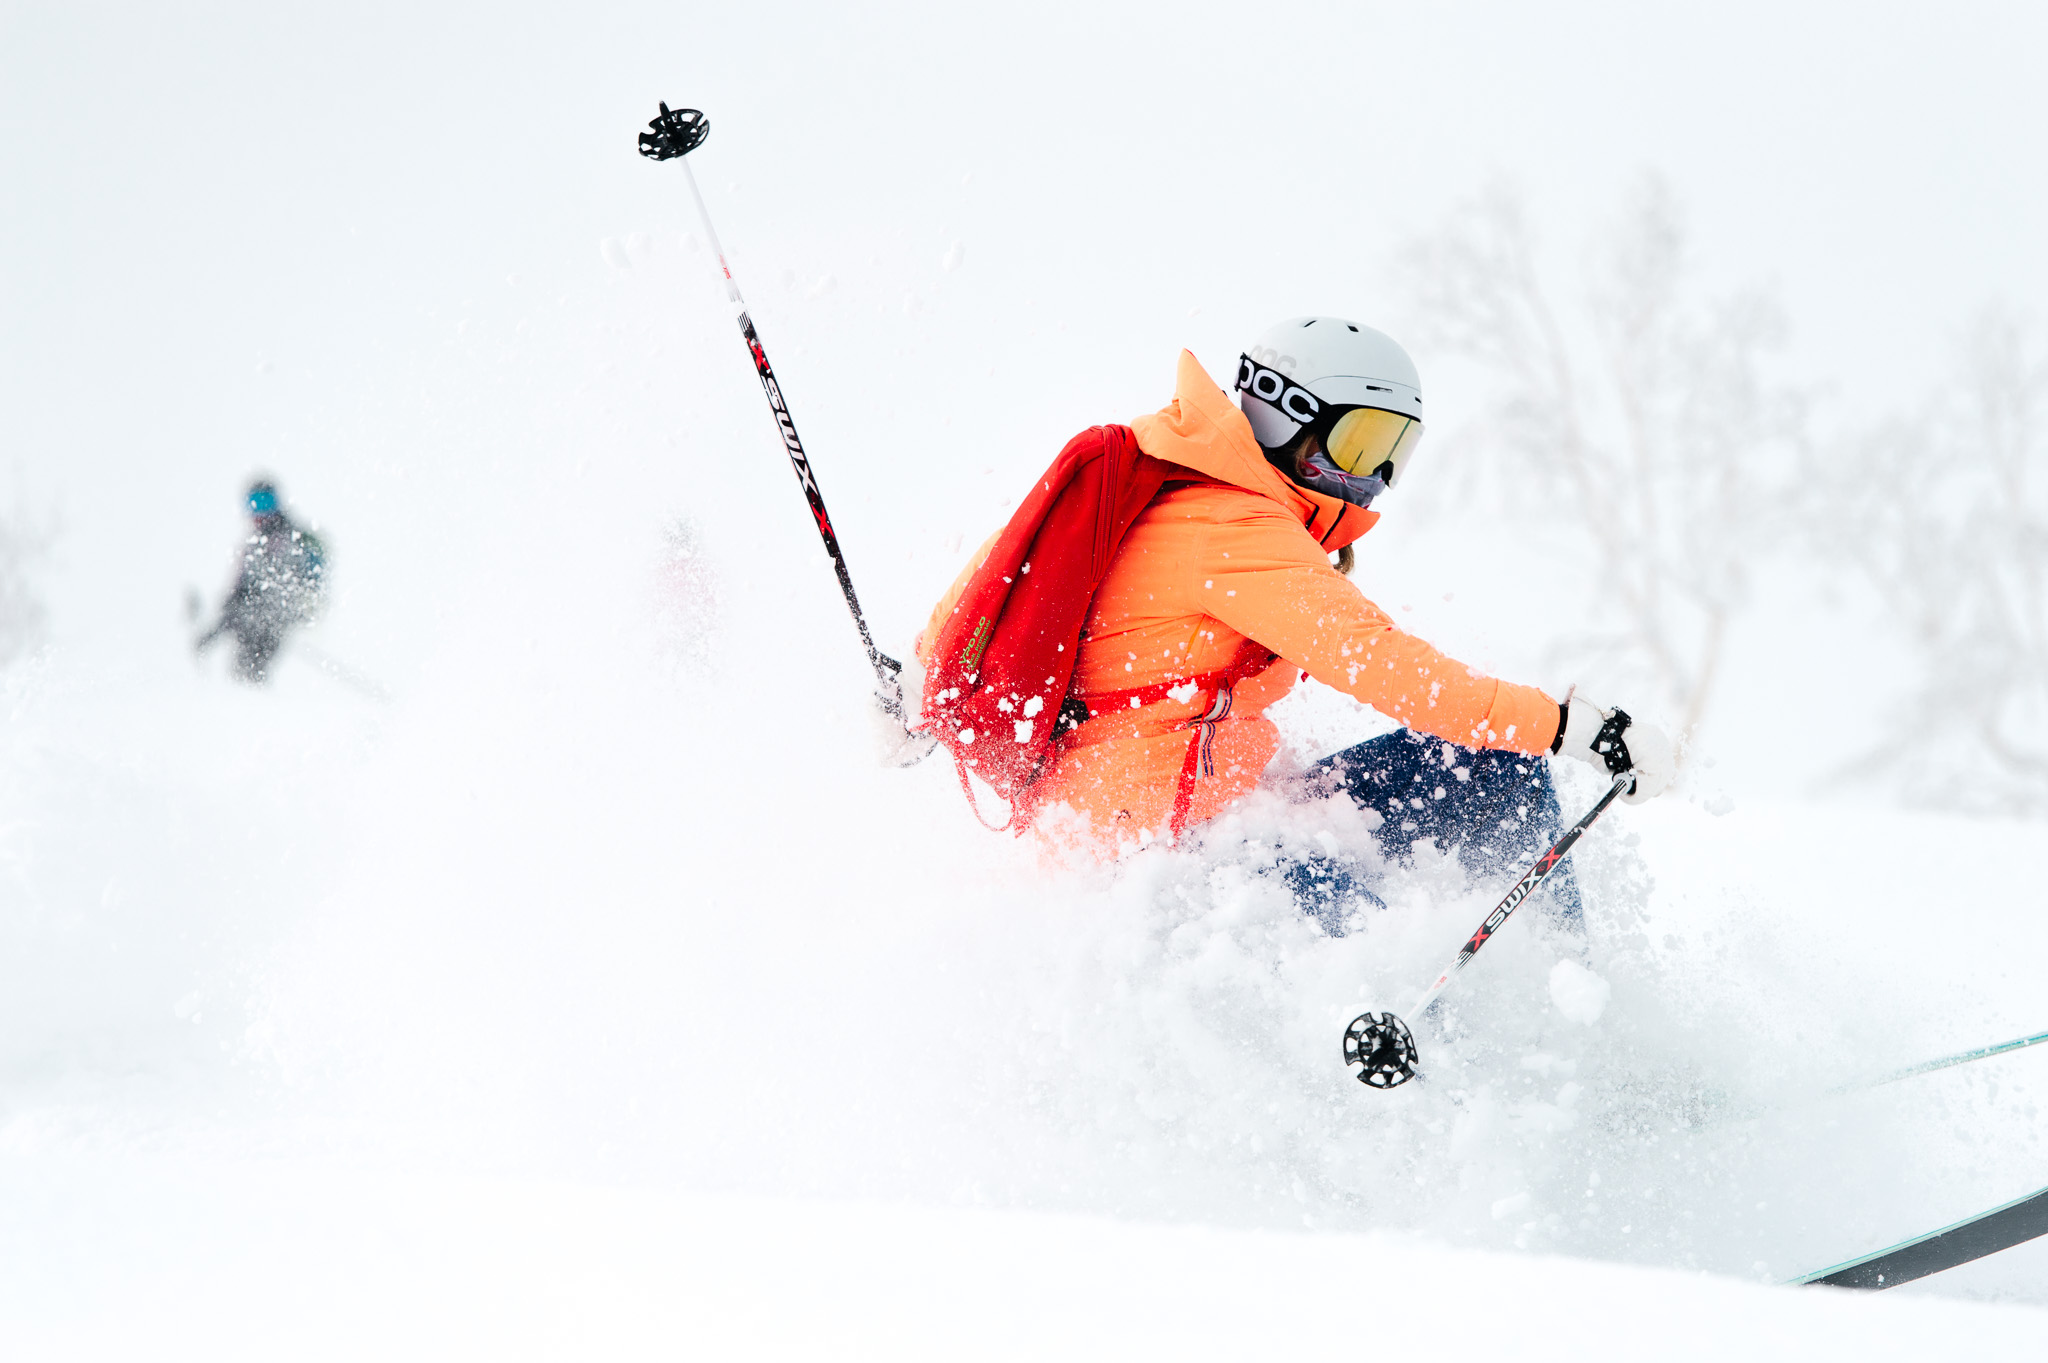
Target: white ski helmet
{"type": "Point", "coordinates": [1302, 370]}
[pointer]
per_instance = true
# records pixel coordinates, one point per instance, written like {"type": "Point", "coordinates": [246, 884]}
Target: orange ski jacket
{"type": "Point", "coordinates": [1177, 734]}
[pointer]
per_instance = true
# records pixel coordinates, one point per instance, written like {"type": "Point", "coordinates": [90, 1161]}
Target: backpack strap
{"type": "Point", "coordinates": [1250, 659]}
{"type": "Point", "coordinates": [967, 789]}
{"type": "Point", "coordinates": [1220, 686]}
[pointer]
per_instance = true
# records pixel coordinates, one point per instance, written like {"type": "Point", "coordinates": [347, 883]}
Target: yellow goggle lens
{"type": "Point", "coordinates": [1365, 438]}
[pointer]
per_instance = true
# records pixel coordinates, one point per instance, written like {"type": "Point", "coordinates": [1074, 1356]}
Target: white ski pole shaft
{"type": "Point", "coordinates": [732, 286]}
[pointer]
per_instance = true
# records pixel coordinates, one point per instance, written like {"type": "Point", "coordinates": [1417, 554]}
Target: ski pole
{"type": "Point", "coordinates": [1746, 1111]}
{"type": "Point", "coordinates": [1380, 1044]}
{"type": "Point", "coordinates": [1960, 1058]}
{"type": "Point", "coordinates": [673, 135]}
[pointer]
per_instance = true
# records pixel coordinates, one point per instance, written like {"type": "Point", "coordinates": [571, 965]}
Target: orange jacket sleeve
{"type": "Point", "coordinates": [1265, 577]}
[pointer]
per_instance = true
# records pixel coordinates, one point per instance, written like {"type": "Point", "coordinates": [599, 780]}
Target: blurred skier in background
{"type": "Point", "coordinates": [1222, 595]}
{"type": "Point", "coordinates": [280, 582]}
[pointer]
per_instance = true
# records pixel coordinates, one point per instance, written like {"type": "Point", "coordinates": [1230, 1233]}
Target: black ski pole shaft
{"type": "Point", "coordinates": [1380, 1045]}
{"type": "Point", "coordinates": [672, 135]}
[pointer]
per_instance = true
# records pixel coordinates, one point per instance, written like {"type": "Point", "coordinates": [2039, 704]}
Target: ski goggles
{"type": "Point", "coordinates": [1367, 440]}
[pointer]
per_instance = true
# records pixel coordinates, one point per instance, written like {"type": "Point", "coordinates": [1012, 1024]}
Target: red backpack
{"type": "Point", "coordinates": [1000, 667]}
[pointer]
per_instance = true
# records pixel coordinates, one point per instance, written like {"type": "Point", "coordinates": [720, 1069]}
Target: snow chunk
{"type": "Point", "coordinates": [1578, 993]}
{"type": "Point", "coordinates": [1512, 1206]}
{"type": "Point", "coordinates": [1544, 1063]}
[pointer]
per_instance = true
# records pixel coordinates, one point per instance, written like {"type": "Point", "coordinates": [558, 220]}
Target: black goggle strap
{"type": "Point", "coordinates": [1292, 401]}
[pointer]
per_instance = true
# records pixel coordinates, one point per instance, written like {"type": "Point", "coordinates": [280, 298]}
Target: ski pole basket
{"type": "Point", "coordinates": [673, 133]}
{"type": "Point", "coordinates": [1381, 1048]}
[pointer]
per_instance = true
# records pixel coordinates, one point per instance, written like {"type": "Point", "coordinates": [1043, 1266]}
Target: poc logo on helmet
{"type": "Point", "coordinates": [1270, 385]}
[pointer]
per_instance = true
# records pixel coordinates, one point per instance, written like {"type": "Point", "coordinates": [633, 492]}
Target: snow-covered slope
{"type": "Point", "coordinates": [540, 921]}
{"type": "Point", "coordinates": [192, 1260]}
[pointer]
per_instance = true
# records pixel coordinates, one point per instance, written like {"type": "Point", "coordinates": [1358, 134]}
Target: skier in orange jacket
{"type": "Point", "coordinates": [1227, 576]}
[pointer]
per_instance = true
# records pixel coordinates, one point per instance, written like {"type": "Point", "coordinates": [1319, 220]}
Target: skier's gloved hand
{"type": "Point", "coordinates": [1614, 743]}
{"type": "Point", "coordinates": [890, 711]}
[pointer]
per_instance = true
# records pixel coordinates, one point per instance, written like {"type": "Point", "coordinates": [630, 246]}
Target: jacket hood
{"type": "Point", "coordinates": [1203, 430]}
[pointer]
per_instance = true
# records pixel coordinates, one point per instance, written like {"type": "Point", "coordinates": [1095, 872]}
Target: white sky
{"type": "Point", "coordinates": [244, 238]}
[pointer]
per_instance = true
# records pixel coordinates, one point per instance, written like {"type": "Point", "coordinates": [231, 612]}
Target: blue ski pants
{"type": "Point", "coordinates": [1497, 811]}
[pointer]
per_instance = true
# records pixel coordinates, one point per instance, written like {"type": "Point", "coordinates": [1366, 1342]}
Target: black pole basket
{"type": "Point", "coordinates": [673, 133]}
{"type": "Point", "coordinates": [1381, 1048]}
